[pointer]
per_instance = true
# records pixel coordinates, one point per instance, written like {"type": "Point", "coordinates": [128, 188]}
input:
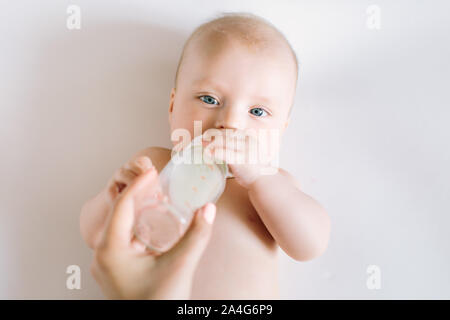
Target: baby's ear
{"type": "Point", "coordinates": [171, 102]}
{"type": "Point", "coordinates": [286, 124]}
{"type": "Point", "coordinates": [172, 99]}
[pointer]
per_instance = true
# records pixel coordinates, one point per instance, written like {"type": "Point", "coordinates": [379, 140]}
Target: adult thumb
{"type": "Point", "coordinates": [189, 249]}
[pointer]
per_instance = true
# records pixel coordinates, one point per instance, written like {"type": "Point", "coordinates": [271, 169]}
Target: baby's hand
{"type": "Point", "coordinates": [241, 151]}
{"type": "Point", "coordinates": [125, 175]}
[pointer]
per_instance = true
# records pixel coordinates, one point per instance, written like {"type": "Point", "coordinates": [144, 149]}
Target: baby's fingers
{"type": "Point", "coordinates": [139, 165]}
{"type": "Point", "coordinates": [119, 181]}
{"type": "Point", "coordinates": [232, 143]}
{"type": "Point", "coordinates": [122, 178]}
{"type": "Point", "coordinates": [229, 156]}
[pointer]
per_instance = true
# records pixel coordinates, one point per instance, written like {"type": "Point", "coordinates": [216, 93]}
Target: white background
{"type": "Point", "coordinates": [368, 139]}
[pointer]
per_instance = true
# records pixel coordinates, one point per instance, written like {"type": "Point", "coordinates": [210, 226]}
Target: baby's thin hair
{"type": "Point", "coordinates": [247, 28]}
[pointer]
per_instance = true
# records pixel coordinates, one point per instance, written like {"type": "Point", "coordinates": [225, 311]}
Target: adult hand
{"type": "Point", "coordinates": [125, 271]}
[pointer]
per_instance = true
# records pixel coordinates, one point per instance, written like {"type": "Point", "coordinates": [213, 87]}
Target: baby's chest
{"type": "Point", "coordinates": [241, 257]}
{"type": "Point", "coordinates": [237, 217]}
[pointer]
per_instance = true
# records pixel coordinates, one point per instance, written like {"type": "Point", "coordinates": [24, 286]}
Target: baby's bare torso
{"type": "Point", "coordinates": [241, 259]}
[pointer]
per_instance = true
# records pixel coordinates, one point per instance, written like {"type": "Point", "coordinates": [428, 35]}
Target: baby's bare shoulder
{"type": "Point", "coordinates": [158, 155]}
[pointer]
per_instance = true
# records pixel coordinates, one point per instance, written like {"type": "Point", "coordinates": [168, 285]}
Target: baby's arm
{"type": "Point", "coordinates": [297, 222]}
{"type": "Point", "coordinates": [93, 215]}
{"type": "Point", "coordinates": [94, 212]}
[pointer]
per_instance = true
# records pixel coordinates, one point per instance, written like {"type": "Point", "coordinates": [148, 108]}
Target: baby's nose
{"type": "Point", "coordinates": [229, 118]}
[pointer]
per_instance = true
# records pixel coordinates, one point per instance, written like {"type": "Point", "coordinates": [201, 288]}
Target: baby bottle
{"type": "Point", "coordinates": [187, 183]}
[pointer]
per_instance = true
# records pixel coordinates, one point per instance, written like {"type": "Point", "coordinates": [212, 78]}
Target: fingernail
{"type": "Point", "coordinates": [209, 213]}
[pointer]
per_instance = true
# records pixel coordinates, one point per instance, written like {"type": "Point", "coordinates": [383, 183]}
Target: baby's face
{"type": "Point", "coordinates": [233, 88]}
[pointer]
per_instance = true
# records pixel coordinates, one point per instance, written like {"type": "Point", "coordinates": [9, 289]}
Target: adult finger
{"type": "Point", "coordinates": [120, 225]}
{"type": "Point", "coordinates": [189, 249]}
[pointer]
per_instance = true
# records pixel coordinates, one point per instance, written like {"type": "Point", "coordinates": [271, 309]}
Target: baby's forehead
{"type": "Point", "coordinates": [233, 53]}
{"type": "Point", "coordinates": [233, 66]}
{"type": "Point", "coordinates": [256, 59]}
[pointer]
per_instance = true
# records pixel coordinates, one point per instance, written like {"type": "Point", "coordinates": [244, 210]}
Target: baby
{"type": "Point", "coordinates": [236, 72]}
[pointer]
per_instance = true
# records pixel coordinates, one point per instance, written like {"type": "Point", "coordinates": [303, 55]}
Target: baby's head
{"type": "Point", "coordinates": [235, 72]}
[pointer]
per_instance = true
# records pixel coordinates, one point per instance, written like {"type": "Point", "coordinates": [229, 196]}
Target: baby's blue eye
{"type": "Point", "coordinates": [258, 112]}
{"type": "Point", "coordinates": [208, 100]}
